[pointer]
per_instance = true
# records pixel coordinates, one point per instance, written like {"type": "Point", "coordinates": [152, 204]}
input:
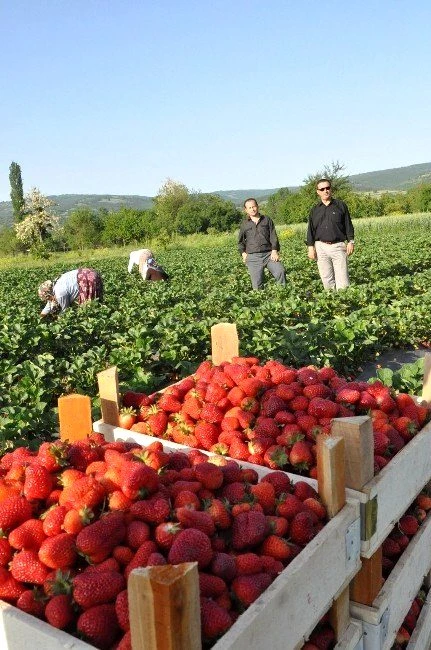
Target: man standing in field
{"type": "Point", "coordinates": [329, 228]}
{"type": "Point", "coordinates": [259, 246]}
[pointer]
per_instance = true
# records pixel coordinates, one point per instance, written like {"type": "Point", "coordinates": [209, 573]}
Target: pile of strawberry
{"type": "Point", "coordinates": [322, 637]}
{"type": "Point", "coordinates": [270, 414]}
{"type": "Point", "coordinates": [410, 621]}
{"type": "Point", "coordinates": [403, 532]}
{"type": "Point", "coordinates": [77, 518]}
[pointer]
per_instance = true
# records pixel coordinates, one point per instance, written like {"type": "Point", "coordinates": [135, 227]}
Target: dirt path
{"type": "Point", "coordinates": [392, 359]}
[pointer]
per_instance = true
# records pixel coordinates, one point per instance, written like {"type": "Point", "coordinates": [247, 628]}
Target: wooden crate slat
{"type": "Point", "coordinates": [421, 635]}
{"type": "Point", "coordinates": [352, 638]}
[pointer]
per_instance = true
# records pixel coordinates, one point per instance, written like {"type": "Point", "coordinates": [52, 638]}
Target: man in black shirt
{"type": "Point", "coordinates": [329, 228]}
{"type": "Point", "coordinates": [259, 246]}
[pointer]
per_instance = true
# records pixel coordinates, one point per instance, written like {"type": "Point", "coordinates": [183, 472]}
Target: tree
{"type": "Point", "coordinates": [171, 197]}
{"type": "Point", "coordinates": [82, 229]}
{"type": "Point", "coordinates": [16, 192]}
{"type": "Point", "coordinates": [35, 229]}
{"type": "Point", "coordinates": [340, 183]}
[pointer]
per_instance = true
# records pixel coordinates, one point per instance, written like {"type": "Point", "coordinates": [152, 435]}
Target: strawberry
{"type": "Point", "coordinates": [122, 610]}
{"type": "Point", "coordinates": [288, 506]}
{"type": "Point", "coordinates": [266, 427]}
{"type": "Point", "coordinates": [59, 611]}
{"type": "Point", "coordinates": [141, 557]}
{"type": "Point", "coordinates": [99, 626]}
{"type": "Point", "coordinates": [10, 588]}
{"type": "Point", "coordinates": [215, 620]}
{"type": "Point", "coordinates": [29, 534]}
{"type": "Point", "coordinates": [302, 528]}
{"type": "Point", "coordinates": [323, 637]}
{"type": "Point", "coordinates": [97, 588]}
{"type": "Point", "coordinates": [304, 490]}
{"type": "Point", "coordinates": [247, 589]}
{"type": "Point", "coordinates": [264, 493]}
{"type": "Point", "coordinates": [84, 492]}
{"type": "Point", "coordinates": [300, 456]}
{"type": "Point", "coordinates": [347, 396]}
{"type": "Point", "coordinates": [152, 511]}
{"type": "Point", "coordinates": [196, 519]}
{"type": "Point", "coordinates": [211, 586]}
{"type": "Point", "coordinates": [156, 421]}
{"type": "Point", "coordinates": [14, 510]}
{"type": "Point", "coordinates": [322, 408]}
{"type": "Point", "coordinates": [58, 552]}
{"type": "Point", "coordinates": [277, 547]}
{"type": "Point", "coordinates": [191, 546]}
{"type": "Point", "coordinates": [209, 475]}
{"type": "Point", "coordinates": [206, 434]}
{"type": "Point", "coordinates": [138, 480]}
{"type": "Point", "coordinates": [223, 565]}
{"type": "Point", "coordinates": [26, 567]}
{"type": "Point", "coordinates": [408, 524]}
{"type": "Point", "coordinates": [166, 533]}
{"type": "Point", "coordinates": [53, 455]}
{"type": "Point", "coordinates": [97, 540]}
{"type": "Point", "coordinates": [248, 564]}
{"type": "Point", "coordinates": [248, 529]}
{"type": "Point", "coordinates": [5, 550]}
{"type": "Point", "coordinates": [238, 449]}
{"type": "Point", "coordinates": [316, 506]}
{"type": "Point", "coordinates": [53, 520]}
{"type": "Point", "coordinates": [192, 406]}
{"type": "Point", "coordinates": [82, 453]}
{"type": "Point", "coordinates": [276, 457]}
{"type": "Point", "coordinates": [280, 481]}
{"type": "Point", "coordinates": [219, 513]}
{"type": "Point", "coordinates": [31, 601]}
{"type": "Point", "coordinates": [134, 399]}
{"type": "Point", "coordinates": [252, 386]}
{"type": "Point", "coordinates": [381, 442]}
{"type": "Point", "coordinates": [127, 417]}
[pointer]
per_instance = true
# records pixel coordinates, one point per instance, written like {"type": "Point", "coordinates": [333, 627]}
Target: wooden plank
{"type": "Point", "coordinates": [426, 389]}
{"type": "Point", "coordinates": [224, 342]}
{"type": "Point", "coordinates": [330, 473]}
{"type": "Point", "coordinates": [359, 457]}
{"type": "Point", "coordinates": [339, 614]}
{"type": "Point", "coordinates": [109, 395]}
{"type": "Point", "coordinates": [352, 638]}
{"type": "Point", "coordinates": [74, 414]}
{"type": "Point", "coordinates": [164, 607]}
{"type": "Point", "coordinates": [367, 583]}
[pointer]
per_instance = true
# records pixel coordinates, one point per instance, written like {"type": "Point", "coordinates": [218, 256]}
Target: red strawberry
{"type": "Point", "coordinates": [169, 402]}
{"type": "Point", "coordinates": [288, 506]}
{"type": "Point", "coordinates": [84, 492]}
{"type": "Point", "coordinates": [14, 510]}
{"type": "Point", "coordinates": [381, 442]}
{"type": "Point", "coordinates": [53, 520]}
{"type": "Point", "coordinates": [276, 457]}
{"type": "Point", "coordinates": [152, 511]}
{"type": "Point", "coordinates": [192, 406]}
{"type": "Point", "coordinates": [26, 567]}
{"type": "Point", "coordinates": [209, 475]}
{"type": "Point", "coordinates": [99, 626]}
{"type": "Point", "coordinates": [206, 434]}
{"type": "Point", "coordinates": [166, 533]}
{"type": "Point", "coordinates": [248, 529]}
{"type": "Point", "coordinates": [29, 534]}
{"type": "Point", "coordinates": [141, 557]}
{"type": "Point", "coordinates": [97, 540]}
{"type": "Point", "coordinates": [300, 456]}
{"type": "Point", "coordinates": [248, 564]}
{"type": "Point", "coordinates": [196, 519]}
{"type": "Point", "coordinates": [323, 408]}
{"type": "Point", "coordinates": [223, 565]}
{"type": "Point", "coordinates": [59, 611]}
{"type": "Point", "coordinates": [277, 547]}
{"type": "Point", "coordinates": [134, 399]}
{"type": "Point", "coordinates": [5, 551]}
{"type": "Point", "coordinates": [97, 588]}
{"type": "Point", "coordinates": [408, 524]}
{"type": "Point", "coordinates": [304, 490]}
{"type": "Point", "coordinates": [31, 601]}
{"type": "Point", "coordinates": [302, 528]}
{"type": "Point", "coordinates": [53, 455]}
{"type": "Point", "coordinates": [215, 620]}
{"type": "Point", "coordinates": [251, 386]}
{"type": "Point", "coordinates": [138, 480]}
{"type": "Point", "coordinates": [211, 586]}
{"type": "Point", "coordinates": [122, 610]}
{"type": "Point", "coordinates": [191, 546]}
{"type": "Point", "coordinates": [248, 588]}
{"type": "Point", "coordinates": [58, 552]}
{"type": "Point", "coordinates": [157, 421]}
{"type": "Point", "coordinates": [280, 481]}
{"type": "Point", "coordinates": [219, 513]}
{"type": "Point", "coordinates": [264, 493]}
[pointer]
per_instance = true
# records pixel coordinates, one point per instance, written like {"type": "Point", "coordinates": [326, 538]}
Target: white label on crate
{"type": "Point", "coordinates": [353, 544]}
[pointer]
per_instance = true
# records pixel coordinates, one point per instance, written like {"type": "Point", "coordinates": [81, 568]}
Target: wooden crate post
{"type": "Point", "coordinates": [74, 414]}
{"type": "Point", "coordinates": [224, 342]}
{"type": "Point", "coordinates": [357, 432]}
{"type": "Point", "coordinates": [109, 395]}
{"type": "Point", "coordinates": [164, 607]}
{"type": "Point", "coordinates": [426, 389]}
{"type": "Point", "coordinates": [332, 491]}
{"type": "Point", "coordinates": [358, 436]}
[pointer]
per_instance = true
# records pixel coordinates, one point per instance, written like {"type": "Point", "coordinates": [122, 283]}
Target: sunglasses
{"type": "Point", "coordinates": [322, 189]}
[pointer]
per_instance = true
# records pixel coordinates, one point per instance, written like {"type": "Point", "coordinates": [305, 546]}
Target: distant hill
{"type": "Point", "coordinates": [397, 179]}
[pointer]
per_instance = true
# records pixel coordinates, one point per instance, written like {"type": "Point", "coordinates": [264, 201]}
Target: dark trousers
{"type": "Point", "coordinates": [256, 263]}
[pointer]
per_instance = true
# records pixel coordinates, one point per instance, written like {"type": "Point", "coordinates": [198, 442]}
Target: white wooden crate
{"type": "Point", "coordinates": [421, 635]}
{"type": "Point", "coordinates": [291, 607]}
{"type": "Point", "coordinates": [384, 499]}
{"type": "Point", "coordinates": [382, 620]}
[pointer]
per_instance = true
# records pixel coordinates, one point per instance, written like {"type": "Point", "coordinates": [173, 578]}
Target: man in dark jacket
{"type": "Point", "coordinates": [259, 246]}
{"type": "Point", "coordinates": [330, 237]}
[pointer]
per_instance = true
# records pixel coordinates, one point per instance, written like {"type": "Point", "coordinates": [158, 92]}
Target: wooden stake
{"type": "Point", "coordinates": [330, 473]}
{"type": "Point", "coordinates": [164, 607]}
{"type": "Point", "coordinates": [426, 389]}
{"type": "Point", "coordinates": [366, 584]}
{"type": "Point", "coordinates": [109, 395]}
{"type": "Point", "coordinates": [332, 491]}
{"type": "Point", "coordinates": [224, 342]}
{"type": "Point", "coordinates": [359, 451]}
{"type": "Point", "coordinates": [74, 414]}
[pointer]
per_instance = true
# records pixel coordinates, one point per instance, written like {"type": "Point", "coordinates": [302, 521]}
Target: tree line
{"type": "Point", "coordinates": [178, 211]}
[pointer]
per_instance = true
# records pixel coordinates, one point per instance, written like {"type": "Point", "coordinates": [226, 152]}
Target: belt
{"type": "Point", "coordinates": [330, 242]}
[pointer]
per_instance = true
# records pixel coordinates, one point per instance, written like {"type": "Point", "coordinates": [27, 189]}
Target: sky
{"type": "Point", "coordinates": [116, 96]}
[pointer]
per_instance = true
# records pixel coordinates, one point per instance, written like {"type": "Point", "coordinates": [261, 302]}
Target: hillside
{"type": "Point", "coordinates": [396, 179]}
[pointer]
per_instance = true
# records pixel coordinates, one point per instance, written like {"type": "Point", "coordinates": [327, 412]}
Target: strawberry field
{"type": "Point", "coordinates": [158, 333]}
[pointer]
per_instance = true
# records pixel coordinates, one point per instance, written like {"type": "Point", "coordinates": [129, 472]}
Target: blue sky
{"type": "Point", "coordinates": [114, 96]}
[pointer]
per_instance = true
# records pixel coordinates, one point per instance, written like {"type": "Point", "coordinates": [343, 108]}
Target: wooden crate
{"type": "Point", "coordinates": [352, 638]}
{"type": "Point", "coordinates": [294, 603]}
{"type": "Point", "coordinates": [382, 620]}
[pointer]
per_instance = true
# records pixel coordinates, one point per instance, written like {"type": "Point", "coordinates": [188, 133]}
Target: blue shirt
{"type": "Point", "coordinates": [66, 291]}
